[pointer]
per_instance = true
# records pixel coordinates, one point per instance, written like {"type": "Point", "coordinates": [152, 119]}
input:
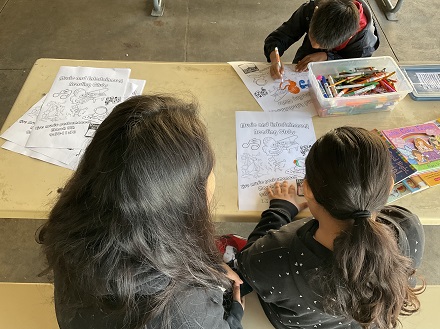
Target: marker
{"type": "Point", "coordinates": [321, 87]}
{"type": "Point", "coordinates": [342, 93]}
{"type": "Point", "coordinates": [363, 90]}
{"type": "Point", "coordinates": [387, 86]}
{"type": "Point", "coordinates": [277, 57]}
{"type": "Point", "coordinates": [355, 85]}
{"type": "Point", "coordinates": [326, 87]}
{"type": "Point", "coordinates": [338, 82]}
{"type": "Point", "coordinates": [351, 74]}
{"type": "Point", "coordinates": [332, 86]}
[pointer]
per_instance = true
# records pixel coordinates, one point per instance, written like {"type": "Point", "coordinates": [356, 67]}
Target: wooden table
{"type": "Point", "coordinates": [28, 187]}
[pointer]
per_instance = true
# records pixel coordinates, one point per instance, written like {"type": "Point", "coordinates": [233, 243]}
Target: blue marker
{"type": "Point", "coordinates": [326, 86]}
{"type": "Point", "coordinates": [321, 86]}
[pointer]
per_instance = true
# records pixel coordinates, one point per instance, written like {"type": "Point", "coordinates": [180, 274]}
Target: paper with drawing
{"type": "Point", "coordinates": [17, 135]}
{"type": "Point", "coordinates": [291, 94]}
{"type": "Point", "coordinates": [270, 147]}
{"type": "Point", "coordinates": [78, 98]}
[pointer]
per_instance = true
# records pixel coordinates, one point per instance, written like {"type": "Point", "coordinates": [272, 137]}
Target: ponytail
{"type": "Point", "coordinates": [368, 278]}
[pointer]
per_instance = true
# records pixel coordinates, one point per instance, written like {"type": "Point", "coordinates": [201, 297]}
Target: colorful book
{"type": "Point", "coordinates": [407, 186]}
{"type": "Point", "coordinates": [418, 144]}
{"type": "Point", "coordinates": [401, 167]}
{"type": "Point", "coordinates": [431, 178]}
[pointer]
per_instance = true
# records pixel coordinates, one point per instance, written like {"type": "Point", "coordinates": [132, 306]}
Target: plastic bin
{"type": "Point", "coordinates": [360, 103]}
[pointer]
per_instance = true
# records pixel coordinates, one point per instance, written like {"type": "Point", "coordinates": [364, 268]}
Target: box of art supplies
{"type": "Point", "coordinates": [358, 85]}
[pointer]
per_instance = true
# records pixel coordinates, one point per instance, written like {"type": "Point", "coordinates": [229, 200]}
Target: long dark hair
{"type": "Point", "coordinates": [134, 219]}
{"type": "Point", "coordinates": [349, 172]}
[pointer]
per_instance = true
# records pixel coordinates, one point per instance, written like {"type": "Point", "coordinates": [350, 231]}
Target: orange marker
{"type": "Point", "coordinates": [277, 57]}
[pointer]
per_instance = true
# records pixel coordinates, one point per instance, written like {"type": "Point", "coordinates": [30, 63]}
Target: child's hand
{"type": "Point", "coordinates": [233, 276]}
{"type": "Point", "coordinates": [315, 57]}
{"type": "Point", "coordinates": [237, 296]}
{"type": "Point", "coordinates": [276, 71]}
{"type": "Point", "coordinates": [285, 192]}
{"type": "Point", "coordinates": [276, 66]}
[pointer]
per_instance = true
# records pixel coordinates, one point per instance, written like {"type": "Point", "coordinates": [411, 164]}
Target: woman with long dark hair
{"type": "Point", "coordinates": [130, 240]}
{"type": "Point", "coordinates": [352, 264]}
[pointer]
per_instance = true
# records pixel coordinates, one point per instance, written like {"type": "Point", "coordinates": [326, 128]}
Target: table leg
{"type": "Point", "coordinates": [390, 10]}
{"type": "Point", "coordinates": [159, 7]}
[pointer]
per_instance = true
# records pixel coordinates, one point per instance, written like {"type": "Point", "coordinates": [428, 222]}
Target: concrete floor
{"type": "Point", "coordinates": [190, 30]}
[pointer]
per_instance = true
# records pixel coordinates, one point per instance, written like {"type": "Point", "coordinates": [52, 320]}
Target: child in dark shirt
{"type": "Point", "coordinates": [351, 265]}
{"type": "Point", "coordinates": [333, 29]}
{"type": "Point", "coordinates": [130, 239]}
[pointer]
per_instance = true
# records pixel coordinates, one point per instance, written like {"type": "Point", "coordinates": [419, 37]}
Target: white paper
{"type": "Point", "coordinates": [78, 97]}
{"type": "Point", "coordinates": [19, 132]}
{"type": "Point", "coordinates": [17, 135]}
{"type": "Point", "coordinates": [270, 147]}
{"type": "Point", "coordinates": [30, 153]}
{"type": "Point", "coordinates": [291, 94]}
{"type": "Point", "coordinates": [429, 81]}
{"type": "Point", "coordinates": [140, 84]}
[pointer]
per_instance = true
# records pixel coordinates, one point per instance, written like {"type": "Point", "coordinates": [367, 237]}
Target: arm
{"type": "Point", "coordinates": [410, 234]}
{"type": "Point", "coordinates": [284, 206]}
{"type": "Point", "coordinates": [280, 212]}
{"type": "Point", "coordinates": [411, 237]}
{"type": "Point", "coordinates": [253, 260]}
{"type": "Point", "coordinates": [202, 308]}
{"type": "Point", "coordinates": [235, 315]}
{"type": "Point", "coordinates": [289, 32]}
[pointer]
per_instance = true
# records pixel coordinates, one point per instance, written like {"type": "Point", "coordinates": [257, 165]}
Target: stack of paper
{"type": "Point", "coordinates": [59, 127]}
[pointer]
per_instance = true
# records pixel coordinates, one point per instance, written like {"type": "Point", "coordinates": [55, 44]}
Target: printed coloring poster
{"type": "Point", "coordinates": [270, 147]}
{"type": "Point", "coordinates": [291, 94]}
{"type": "Point", "coordinates": [17, 135]}
{"type": "Point", "coordinates": [79, 98]}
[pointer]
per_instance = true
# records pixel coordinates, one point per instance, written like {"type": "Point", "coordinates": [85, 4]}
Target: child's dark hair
{"type": "Point", "coordinates": [350, 174]}
{"type": "Point", "coordinates": [135, 214]}
{"type": "Point", "coordinates": [333, 22]}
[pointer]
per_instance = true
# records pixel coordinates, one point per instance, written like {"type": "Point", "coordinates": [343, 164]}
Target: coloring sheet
{"type": "Point", "coordinates": [79, 97]}
{"type": "Point", "coordinates": [270, 147]}
{"type": "Point", "coordinates": [19, 132]}
{"type": "Point", "coordinates": [291, 94]}
{"type": "Point", "coordinates": [140, 84]}
{"type": "Point", "coordinates": [28, 152]}
{"type": "Point", "coordinates": [17, 135]}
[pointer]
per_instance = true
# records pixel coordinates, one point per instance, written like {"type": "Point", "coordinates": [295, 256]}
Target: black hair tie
{"type": "Point", "coordinates": [360, 214]}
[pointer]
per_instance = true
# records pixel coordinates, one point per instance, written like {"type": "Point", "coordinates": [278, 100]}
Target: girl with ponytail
{"type": "Point", "coordinates": [351, 265]}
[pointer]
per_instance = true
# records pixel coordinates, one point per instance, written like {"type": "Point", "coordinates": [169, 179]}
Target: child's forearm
{"type": "Point", "coordinates": [280, 213]}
